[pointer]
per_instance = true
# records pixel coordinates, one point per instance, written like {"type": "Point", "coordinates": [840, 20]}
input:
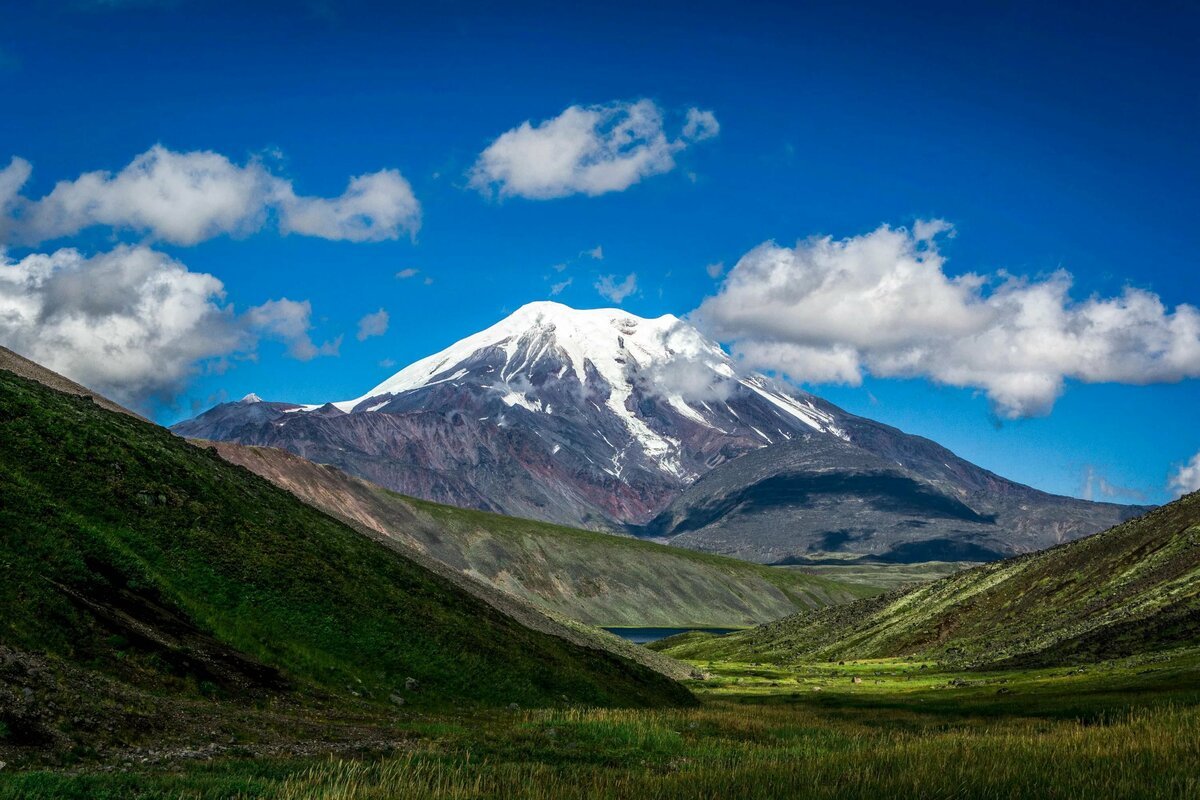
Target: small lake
{"type": "Point", "coordinates": [645, 635]}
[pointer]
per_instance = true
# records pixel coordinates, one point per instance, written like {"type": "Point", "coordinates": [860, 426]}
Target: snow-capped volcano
{"type": "Point", "coordinates": [606, 420]}
{"type": "Point", "coordinates": [547, 355]}
{"type": "Point", "coordinates": [614, 411]}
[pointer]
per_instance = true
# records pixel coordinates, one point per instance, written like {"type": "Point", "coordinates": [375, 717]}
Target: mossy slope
{"type": "Point", "coordinates": [132, 555]}
{"type": "Point", "coordinates": [1132, 589]}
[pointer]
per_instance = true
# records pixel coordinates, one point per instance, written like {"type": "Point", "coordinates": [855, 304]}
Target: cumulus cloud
{"type": "Point", "coordinates": [700, 125]}
{"type": "Point", "coordinates": [831, 310]}
{"type": "Point", "coordinates": [289, 321]}
{"type": "Point", "coordinates": [1187, 478]}
{"type": "Point", "coordinates": [12, 178]}
{"type": "Point", "coordinates": [374, 207]}
{"type": "Point", "coordinates": [185, 198]}
{"type": "Point", "coordinates": [716, 269]}
{"type": "Point", "coordinates": [375, 324]}
{"type": "Point", "coordinates": [587, 150]}
{"type": "Point", "coordinates": [609, 287]}
{"type": "Point", "coordinates": [132, 323]}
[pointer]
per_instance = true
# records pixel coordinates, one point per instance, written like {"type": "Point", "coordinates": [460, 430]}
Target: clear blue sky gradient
{"type": "Point", "coordinates": [1049, 137]}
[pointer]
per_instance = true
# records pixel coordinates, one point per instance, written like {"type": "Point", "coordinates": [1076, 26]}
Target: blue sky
{"type": "Point", "coordinates": [1049, 138]}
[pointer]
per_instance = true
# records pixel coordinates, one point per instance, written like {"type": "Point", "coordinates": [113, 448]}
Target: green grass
{"type": "Point", "coordinates": [137, 570]}
{"type": "Point", "coordinates": [1121, 729]}
{"type": "Point", "coordinates": [1133, 588]}
{"type": "Point", "coordinates": [881, 576]}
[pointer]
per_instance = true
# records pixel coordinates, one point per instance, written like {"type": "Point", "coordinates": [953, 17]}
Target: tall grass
{"type": "Point", "coordinates": [1127, 730]}
{"type": "Point", "coordinates": [731, 751]}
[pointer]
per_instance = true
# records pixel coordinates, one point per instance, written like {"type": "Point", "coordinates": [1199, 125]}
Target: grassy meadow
{"type": "Point", "coordinates": [1127, 728]}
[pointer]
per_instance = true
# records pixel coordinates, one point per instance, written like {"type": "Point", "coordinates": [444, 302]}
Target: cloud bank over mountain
{"type": "Point", "coordinates": [135, 323]}
{"type": "Point", "coordinates": [832, 310]}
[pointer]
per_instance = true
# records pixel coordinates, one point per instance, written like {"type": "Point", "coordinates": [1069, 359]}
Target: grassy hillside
{"type": "Point", "coordinates": [1134, 588]}
{"type": "Point", "coordinates": [598, 578]}
{"type": "Point", "coordinates": [136, 568]}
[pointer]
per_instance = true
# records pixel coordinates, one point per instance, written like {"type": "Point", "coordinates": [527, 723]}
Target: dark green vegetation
{"type": "Point", "coordinates": [1125, 729]}
{"type": "Point", "coordinates": [150, 589]}
{"type": "Point", "coordinates": [598, 578]}
{"type": "Point", "coordinates": [1132, 589]}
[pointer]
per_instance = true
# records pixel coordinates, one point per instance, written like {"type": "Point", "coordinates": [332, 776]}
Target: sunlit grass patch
{"type": "Point", "coordinates": [1121, 729]}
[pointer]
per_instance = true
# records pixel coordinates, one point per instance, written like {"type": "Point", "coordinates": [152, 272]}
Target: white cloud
{"type": "Point", "coordinates": [12, 178]}
{"type": "Point", "coordinates": [407, 273]}
{"type": "Point", "coordinates": [375, 324]}
{"type": "Point", "coordinates": [715, 270]}
{"type": "Point", "coordinates": [700, 125]}
{"type": "Point", "coordinates": [557, 289]}
{"type": "Point", "coordinates": [596, 253]}
{"type": "Point", "coordinates": [132, 323]}
{"type": "Point", "coordinates": [185, 198]}
{"type": "Point", "coordinates": [374, 207]}
{"type": "Point", "coordinates": [687, 377]}
{"type": "Point", "coordinates": [289, 321]}
{"type": "Point", "coordinates": [587, 150]}
{"type": "Point", "coordinates": [1097, 487]}
{"type": "Point", "coordinates": [1187, 478]}
{"type": "Point", "coordinates": [610, 288]}
{"type": "Point", "coordinates": [831, 310]}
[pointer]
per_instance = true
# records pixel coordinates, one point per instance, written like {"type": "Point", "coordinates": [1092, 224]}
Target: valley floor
{"type": "Point", "coordinates": [1129, 728]}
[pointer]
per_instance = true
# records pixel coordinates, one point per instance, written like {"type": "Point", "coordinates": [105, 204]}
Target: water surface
{"type": "Point", "coordinates": [644, 635]}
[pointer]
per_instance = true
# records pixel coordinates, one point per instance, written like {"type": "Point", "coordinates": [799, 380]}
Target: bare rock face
{"type": "Point", "coordinates": [604, 420]}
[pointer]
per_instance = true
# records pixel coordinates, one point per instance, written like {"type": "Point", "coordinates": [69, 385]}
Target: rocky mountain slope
{"type": "Point", "coordinates": [603, 420]}
{"type": "Point", "coordinates": [1132, 589]}
{"type": "Point", "coordinates": [882, 495]}
{"type": "Point", "coordinates": [596, 578]}
{"type": "Point", "coordinates": [146, 583]}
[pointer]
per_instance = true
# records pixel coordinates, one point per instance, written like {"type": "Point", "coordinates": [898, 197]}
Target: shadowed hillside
{"type": "Point", "coordinates": [1132, 589]}
{"type": "Point", "coordinates": [139, 573]}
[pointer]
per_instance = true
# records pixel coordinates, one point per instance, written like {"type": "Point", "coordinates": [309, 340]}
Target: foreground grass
{"type": "Point", "coordinates": [1123, 729]}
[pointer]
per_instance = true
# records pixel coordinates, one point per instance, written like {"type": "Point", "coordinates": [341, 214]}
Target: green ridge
{"type": "Point", "coordinates": [129, 555]}
{"type": "Point", "coordinates": [1134, 588]}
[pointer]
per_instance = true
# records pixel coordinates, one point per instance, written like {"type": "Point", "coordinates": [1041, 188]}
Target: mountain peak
{"type": "Point", "coordinates": [608, 339]}
{"type": "Point", "coordinates": [555, 312]}
{"type": "Point", "coordinates": [607, 413]}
